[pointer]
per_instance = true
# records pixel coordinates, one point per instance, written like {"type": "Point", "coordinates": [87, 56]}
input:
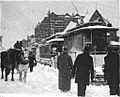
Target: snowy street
{"type": "Point", "coordinates": [43, 82]}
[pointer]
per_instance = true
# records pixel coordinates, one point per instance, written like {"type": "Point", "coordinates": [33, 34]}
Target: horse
{"type": "Point", "coordinates": [9, 60]}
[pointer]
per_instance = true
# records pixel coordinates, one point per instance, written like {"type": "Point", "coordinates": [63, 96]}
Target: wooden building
{"type": "Point", "coordinates": [95, 36]}
{"type": "Point", "coordinates": [97, 33]}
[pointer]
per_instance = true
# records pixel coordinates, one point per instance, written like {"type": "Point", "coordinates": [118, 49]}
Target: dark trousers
{"type": "Point", "coordinates": [81, 89]}
{"type": "Point", "coordinates": [31, 68]}
{"type": "Point", "coordinates": [114, 89]}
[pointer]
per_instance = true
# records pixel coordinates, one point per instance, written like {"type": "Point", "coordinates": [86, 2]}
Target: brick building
{"type": "Point", "coordinates": [54, 23]}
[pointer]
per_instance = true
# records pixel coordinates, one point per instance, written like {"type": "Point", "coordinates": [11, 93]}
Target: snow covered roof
{"type": "Point", "coordinates": [115, 43]}
{"type": "Point", "coordinates": [70, 26]}
{"type": "Point", "coordinates": [55, 39]}
{"type": "Point", "coordinates": [95, 16]}
{"type": "Point", "coordinates": [99, 27]}
{"type": "Point", "coordinates": [88, 16]}
{"type": "Point", "coordinates": [95, 27]}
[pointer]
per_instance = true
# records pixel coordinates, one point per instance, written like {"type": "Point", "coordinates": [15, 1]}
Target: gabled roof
{"type": "Point", "coordinates": [67, 14]}
{"type": "Point", "coordinates": [95, 17]}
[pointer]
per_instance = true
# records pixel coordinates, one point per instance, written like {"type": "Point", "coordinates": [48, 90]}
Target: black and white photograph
{"type": "Point", "coordinates": [59, 48]}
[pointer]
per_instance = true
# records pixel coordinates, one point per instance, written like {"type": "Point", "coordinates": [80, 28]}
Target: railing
{"type": "Point", "coordinates": [98, 52]}
{"type": "Point", "coordinates": [45, 56]}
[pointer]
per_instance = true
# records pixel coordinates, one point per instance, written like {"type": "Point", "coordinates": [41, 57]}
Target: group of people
{"type": "Point", "coordinates": [27, 60]}
{"type": "Point", "coordinates": [83, 71]}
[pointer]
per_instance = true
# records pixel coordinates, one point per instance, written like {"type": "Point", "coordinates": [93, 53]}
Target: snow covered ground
{"type": "Point", "coordinates": [43, 82]}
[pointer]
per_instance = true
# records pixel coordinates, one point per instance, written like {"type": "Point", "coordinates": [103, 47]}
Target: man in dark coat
{"type": "Point", "coordinates": [82, 69]}
{"type": "Point", "coordinates": [111, 70]}
{"type": "Point", "coordinates": [32, 61]}
{"type": "Point", "coordinates": [64, 65]}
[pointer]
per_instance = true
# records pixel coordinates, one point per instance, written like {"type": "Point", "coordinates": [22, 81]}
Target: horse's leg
{"type": "Point", "coordinates": [25, 76]}
{"type": "Point", "coordinates": [17, 67]}
{"type": "Point", "coordinates": [20, 75]}
{"type": "Point", "coordinates": [12, 78]}
{"type": "Point", "coordinates": [6, 74]}
{"type": "Point", "coordinates": [2, 71]}
{"type": "Point", "coordinates": [7, 71]}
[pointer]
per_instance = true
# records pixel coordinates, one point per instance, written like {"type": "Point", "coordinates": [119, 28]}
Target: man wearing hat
{"type": "Point", "coordinates": [64, 65]}
{"type": "Point", "coordinates": [111, 70]}
{"type": "Point", "coordinates": [82, 69]}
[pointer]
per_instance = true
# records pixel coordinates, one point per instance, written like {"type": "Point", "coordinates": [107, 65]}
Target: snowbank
{"type": "Point", "coordinates": [43, 82]}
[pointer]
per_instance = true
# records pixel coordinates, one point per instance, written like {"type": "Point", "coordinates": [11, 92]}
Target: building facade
{"type": "Point", "coordinates": [54, 23]}
{"type": "Point", "coordinates": [97, 33]}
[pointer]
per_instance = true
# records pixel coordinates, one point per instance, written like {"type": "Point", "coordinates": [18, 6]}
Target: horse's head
{"type": "Point", "coordinates": [18, 53]}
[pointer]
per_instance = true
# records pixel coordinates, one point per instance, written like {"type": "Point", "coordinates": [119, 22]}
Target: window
{"type": "Point", "coordinates": [99, 40]}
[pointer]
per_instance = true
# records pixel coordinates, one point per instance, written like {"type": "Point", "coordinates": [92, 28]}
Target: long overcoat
{"type": "Point", "coordinates": [64, 65]}
{"type": "Point", "coordinates": [82, 69]}
{"type": "Point", "coordinates": [111, 68]}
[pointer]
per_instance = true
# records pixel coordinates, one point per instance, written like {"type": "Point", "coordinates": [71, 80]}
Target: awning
{"type": "Point", "coordinates": [55, 40]}
{"type": "Point", "coordinates": [96, 27]}
{"type": "Point", "coordinates": [100, 27]}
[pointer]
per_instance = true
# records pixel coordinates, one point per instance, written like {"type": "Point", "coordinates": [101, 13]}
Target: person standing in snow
{"type": "Point", "coordinates": [111, 70]}
{"type": "Point", "coordinates": [23, 67]}
{"type": "Point", "coordinates": [82, 69]}
{"type": "Point", "coordinates": [64, 65]}
{"type": "Point", "coordinates": [32, 61]}
{"type": "Point", "coordinates": [54, 54]}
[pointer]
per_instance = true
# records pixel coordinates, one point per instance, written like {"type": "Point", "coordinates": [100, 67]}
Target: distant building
{"type": "Point", "coordinates": [54, 23]}
{"type": "Point", "coordinates": [1, 48]}
{"type": "Point", "coordinates": [0, 41]}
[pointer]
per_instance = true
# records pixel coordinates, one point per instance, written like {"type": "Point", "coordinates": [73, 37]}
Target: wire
{"type": "Point", "coordinates": [75, 7]}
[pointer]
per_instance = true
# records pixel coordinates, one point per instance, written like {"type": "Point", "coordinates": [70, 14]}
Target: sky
{"type": "Point", "coordinates": [19, 18]}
